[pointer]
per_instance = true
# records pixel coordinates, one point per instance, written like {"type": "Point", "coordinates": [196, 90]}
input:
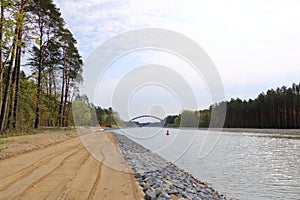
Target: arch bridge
{"type": "Point", "coordinates": [146, 120]}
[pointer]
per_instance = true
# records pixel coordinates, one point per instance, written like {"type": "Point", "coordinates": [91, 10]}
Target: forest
{"type": "Point", "coordinates": [33, 36]}
{"type": "Point", "coordinates": [279, 109]}
{"type": "Point", "coordinates": [41, 70]}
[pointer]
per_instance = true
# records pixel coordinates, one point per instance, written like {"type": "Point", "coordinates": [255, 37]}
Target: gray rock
{"type": "Point", "coordinates": [168, 184]}
{"type": "Point", "coordinates": [206, 191]}
{"type": "Point", "coordinates": [146, 186]}
{"type": "Point", "coordinates": [152, 195]}
{"type": "Point", "coordinates": [190, 190]}
{"type": "Point", "coordinates": [158, 191]}
{"type": "Point", "coordinates": [198, 189]}
{"type": "Point", "coordinates": [173, 191]}
{"type": "Point", "coordinates": [148, 197]}
{"type": "Point", "coordinates": [165, 195]}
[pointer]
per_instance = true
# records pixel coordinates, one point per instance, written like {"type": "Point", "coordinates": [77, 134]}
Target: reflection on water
{"type": "Point", "coordinates": [241, 165]}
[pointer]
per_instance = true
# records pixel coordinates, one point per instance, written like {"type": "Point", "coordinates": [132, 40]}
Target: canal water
{"type": "Point", "coordinates": [238, 165]}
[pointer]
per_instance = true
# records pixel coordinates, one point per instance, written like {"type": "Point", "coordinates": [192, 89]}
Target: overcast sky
{"type": "Point", "coordinates": [254, 44]}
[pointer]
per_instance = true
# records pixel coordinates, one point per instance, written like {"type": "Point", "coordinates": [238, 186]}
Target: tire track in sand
{"type": "Point", "coordinates": [66, 171]}
{"type": "Point", "coordinates": [11, 178]}
{"type": "Point", "coordinates": [95, 185]}
{"type": "Point", "coordinates": [18, 186]}
{"type": "Point", "coordinates": [33, 158]}
{"type": "Point", "coordinates": [57, 179]}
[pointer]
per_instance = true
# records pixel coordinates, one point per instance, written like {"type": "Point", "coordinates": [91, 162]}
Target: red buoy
{"type": "Point", "coordinates": [167, 133]}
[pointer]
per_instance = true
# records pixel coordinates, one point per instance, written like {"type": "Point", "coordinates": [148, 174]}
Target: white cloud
{"type": "Point", "coordinates": [255, 44]}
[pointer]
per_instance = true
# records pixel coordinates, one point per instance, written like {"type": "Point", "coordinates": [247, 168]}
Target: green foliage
{"type": "Point", "coordinates": [27, 101]}
{"type": "Point", "coordinates": [34, 131]}
{"type": "Point", "coordinates": [205, 116]}
{"type": "Point", "coordinates": [177, 121]}
{"type": "Point", "coordinates": [5, 141]}
{"type": "Point", "coordinates": [278, 108]}
{"type": "Point", "coordinates": [43, 98]}
{"type": "Point", "coordinates": [189, 118]}
{"type": "Point", "coordinates": [19, 134]}
{"type": "Point", "coordinates": [108, 117]}
{"type": "Point", "coordinates": [81, 113]}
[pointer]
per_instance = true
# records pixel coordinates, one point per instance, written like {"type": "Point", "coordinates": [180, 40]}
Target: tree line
{"type": "Point", "coordinates": [278, 108]}
{"type": "Point", "coordinates": [33, 33]}
{"type": "Point", "coordinates": [87, 114]}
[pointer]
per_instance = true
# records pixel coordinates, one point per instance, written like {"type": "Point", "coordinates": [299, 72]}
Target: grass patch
{"type": "Point", "coordinates": [54, 129]}
{"type": "Point", "coordinates": [59, 129]}
{"type": "Point", "coordinates": [2, 148]}
{"type": "Point", "coordinates": [4, 136]}
{"type": "Point", "coordinates": [70, 128]}
{"type": "Point", "coordinates": [6, 141]}
{"type": "Point", "coordinates": [34, 131]}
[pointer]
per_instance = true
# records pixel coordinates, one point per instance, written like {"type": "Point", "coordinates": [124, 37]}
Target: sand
{"type": "Point", "coordinates": [12, 146]}
{"type": "Point", "coordinates": [65, 170]}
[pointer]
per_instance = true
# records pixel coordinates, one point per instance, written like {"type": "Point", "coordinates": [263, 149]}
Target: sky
{"type": "Point", "coordinates": [254, 45]}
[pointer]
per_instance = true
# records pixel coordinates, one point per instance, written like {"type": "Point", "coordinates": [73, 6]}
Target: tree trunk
{"type": "Point", "coordinates": [66, 100]}
{"type": "Point", "coordinates": [12, 91]}
{"type": "Point", "coordinates": [16, 100]}
{"type": "Point", "coordinates": [54, 85]}
{"type": "Point", "coordinates": [39, 89]}
{"type": "Point", "coordinates": [1, 47]}
{"type": "Point", "coordinates": [62, 91]}
{"type": "Point", "coordinates": [8, 83]}
{"type": "Point", "coordinates": [39, 81]}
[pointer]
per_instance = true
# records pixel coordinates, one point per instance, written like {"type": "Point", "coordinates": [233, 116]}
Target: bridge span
{"type": "Point", "coordinates": [146, 120]}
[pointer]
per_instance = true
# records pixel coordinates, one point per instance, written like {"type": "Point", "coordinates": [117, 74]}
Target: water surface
{"type": "Point", "coordinates": [239, 165]}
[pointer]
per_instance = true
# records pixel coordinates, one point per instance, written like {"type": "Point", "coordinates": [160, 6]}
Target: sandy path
{"type": "Point", "coordinates": [65, 171]}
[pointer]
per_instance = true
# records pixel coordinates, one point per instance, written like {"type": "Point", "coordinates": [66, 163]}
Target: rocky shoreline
{"type": "Point", "coordinates": [161, 179]}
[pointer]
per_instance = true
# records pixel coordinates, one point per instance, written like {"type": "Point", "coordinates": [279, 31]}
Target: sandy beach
{"type": "Point", "coordinates": [61, 169]}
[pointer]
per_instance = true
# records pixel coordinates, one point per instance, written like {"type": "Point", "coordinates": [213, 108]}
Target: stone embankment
{"type": "Point", "coordinates": [161, 179]}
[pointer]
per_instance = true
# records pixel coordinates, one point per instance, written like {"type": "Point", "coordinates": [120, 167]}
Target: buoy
{"type": "Point", "coordinates": [167, 133]}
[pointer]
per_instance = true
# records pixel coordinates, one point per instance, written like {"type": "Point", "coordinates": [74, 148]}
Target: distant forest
{"type": "Point", "coordinates": [33, 33]}
{"type": "Point", "coordinates": [278, 109]}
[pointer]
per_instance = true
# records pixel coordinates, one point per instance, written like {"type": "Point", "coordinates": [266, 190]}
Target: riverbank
{"type": "Point", "coordinates": [288, 133]}
{"type": "Point", "coordinates": [161, 179]}
{"type": "Point", "coordinates": [269, 131]}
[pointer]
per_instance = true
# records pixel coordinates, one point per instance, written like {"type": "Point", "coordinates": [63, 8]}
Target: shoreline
{"type": "Point", "coordinates": [264, 130]}
{"type": "Point", "coordinates": [249, 130]}
{"type": "Point", "coordinates": [161, 179]}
